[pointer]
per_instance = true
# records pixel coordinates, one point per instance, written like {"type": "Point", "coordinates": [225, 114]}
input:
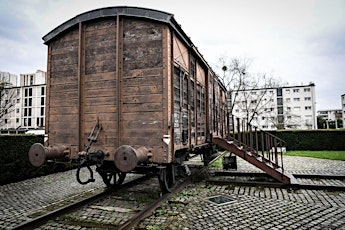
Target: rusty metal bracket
{"type": "Point", "coordinates": [92, 138]}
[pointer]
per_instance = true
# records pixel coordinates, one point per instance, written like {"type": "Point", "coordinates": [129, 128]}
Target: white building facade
{"type": "Point", "coordinates": [28, 112]}
{"type": "Point", "coordinates": [291, 107]}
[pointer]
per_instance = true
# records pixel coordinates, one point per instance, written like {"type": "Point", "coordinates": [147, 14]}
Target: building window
{"type": "Point", "coordinates": [42, 111]}
{"type": "Point", "coordinates": [42, 91]}
{"type": "Point", "coordinates": [5, 121]}
{"type": "Point", "coordinates": [296, 99]}
{"type": "Point", "coordinates": [288, 99]}
{"type": "Point", "coordinates": [287, 91]}
{"type": "Point", "coordinates": [307, 90]}
{"type": "Point", "coordinates": [18, 100]}
{"type": "Point", "coordinates": [295, 90]}
{"type": "Point", "coordinates": [31, 80]}
{"type": "Point", "coordinates": [288, 109]}
{"type": "Point", "coordinates": [42, 100]}
{"type": "Point", "coordinates": [17, 110]}
{"type": "Point", "coordinates": [17, 120]}
{"type": "Point", "coordinates": [297, 108]}
{"type": "Point", "coordinates": [30, 92]}
{"type": "Point", "coordinates": [307, 107]}
{"type": "Point", "coordinates": [307, 98]}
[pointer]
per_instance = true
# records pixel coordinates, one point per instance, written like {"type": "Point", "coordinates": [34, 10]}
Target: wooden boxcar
{"type": "Point", "coordinates": [127, 89]}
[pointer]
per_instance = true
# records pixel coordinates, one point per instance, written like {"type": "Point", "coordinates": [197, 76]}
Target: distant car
{"type": "Point", "coordinates": [37, 132]}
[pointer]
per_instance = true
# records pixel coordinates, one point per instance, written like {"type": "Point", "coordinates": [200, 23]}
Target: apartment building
{"type": "Point", "coordinates": [28, 111]}
{"type": "Point", "coordinates": [330, 118]}
{"type": "Point", "coordinates": [291, 107]}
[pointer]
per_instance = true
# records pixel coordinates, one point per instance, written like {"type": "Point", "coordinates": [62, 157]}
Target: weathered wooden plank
{"type": "Point", "coordinates": [100, 67]}
{"type": "Point", "coordinates": [63, 126]}
{"type": "Point", "coordinates": [142, 81]}
{"type": "Point", "coordinates": [143, 89]}
{"type": "Point", "coordinates": [101, 85]}
{"type": "Point", "coordinates": [93, 108]}
{"type": "Point", "coordinates": [142, 141]}
{"type": "Point", "coordinates": [100, 25]}
{"type": "Point", "coordinates": [64, 59]}
{"type": "Point", "coordinates": [135, 124]}
{"type": "Point", "coordinates": [147, 133]}
{"type": "Point", "coordinates": [139, 107]}
{"type": "Point", "coordinates": [139, 31]}
{"type": "Point", "coordinates": [98, 58]}
{"type": "Point", "coordinates": [143, 73]}
{"type": "Point", "coordinates": [62, 74]}
{"type": "Point", "coordinates": [91, 100]}
{"type": "Point", "coordinates": [60, 114]}
{"type": "Point", "coordinates": [71, 80]}
{"type": "Point", "coordinates": [145, 116]}
{"type": "Point", "coordinates": [137, 99]}
{"type": "Point", "coordinates": [101, 93]}
{"type": "Point", "coordinates": [65, 87]}
{"type": "Point", "coordinates": [93, 51]}
{"type": "Point", "coordinates": [100, 76]}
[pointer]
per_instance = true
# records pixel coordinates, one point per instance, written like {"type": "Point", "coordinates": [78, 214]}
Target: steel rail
{"type": "Point", "coordinates": [150, 209]}
{"type": "Point", "coordinates": [39, 221]}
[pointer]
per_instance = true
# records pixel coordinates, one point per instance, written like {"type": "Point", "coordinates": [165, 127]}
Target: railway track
{"type": "Point", "coordinates": [40, 221]}
{"type": "Point", "coordinates": [121, 208]}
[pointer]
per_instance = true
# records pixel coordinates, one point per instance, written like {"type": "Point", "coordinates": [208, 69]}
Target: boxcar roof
{"type": "Point", "coordinates": [138, 12]}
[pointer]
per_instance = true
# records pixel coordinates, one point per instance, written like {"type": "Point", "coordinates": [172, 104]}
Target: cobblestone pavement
{"type": "Point", "coordinates": [257, 207]}
{"type": "Point", "coordinates": [28, 199]}
{"type": "Point", "coordinates": [251, 208]}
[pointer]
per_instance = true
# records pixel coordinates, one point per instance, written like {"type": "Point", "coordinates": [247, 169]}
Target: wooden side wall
{"type": "Point", "coordinates": [62, 111]}
{"type": "Point", "coordinates": [99, 82]}
{"type": "Point", "coordinates": [142, 87]}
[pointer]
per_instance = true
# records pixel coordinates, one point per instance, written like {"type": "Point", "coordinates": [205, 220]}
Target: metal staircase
{"type": "Point", "coordinates": [260, 148]}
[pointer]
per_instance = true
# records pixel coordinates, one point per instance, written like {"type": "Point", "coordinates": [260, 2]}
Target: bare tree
{"type": "Point", "coordinates": [7, 101]}
{"type": "Point", "coordinates": [250, 94]}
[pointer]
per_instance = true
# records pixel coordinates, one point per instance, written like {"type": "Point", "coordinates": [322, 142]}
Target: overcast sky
{"type": "Point", "coordinates": [297, 41]}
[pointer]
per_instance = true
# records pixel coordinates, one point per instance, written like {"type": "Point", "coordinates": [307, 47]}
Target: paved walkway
{"type": "Point", "coordinates": [251, 208]}
{"type": "Point", "coordinates": [257, 207]}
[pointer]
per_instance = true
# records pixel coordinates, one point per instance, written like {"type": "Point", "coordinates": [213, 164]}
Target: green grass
{"type": "Point", "coordinates": [333, 155]}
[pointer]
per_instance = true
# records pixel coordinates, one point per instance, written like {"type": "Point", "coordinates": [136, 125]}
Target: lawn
{"type": "Point", "coordinates": [333, 155]}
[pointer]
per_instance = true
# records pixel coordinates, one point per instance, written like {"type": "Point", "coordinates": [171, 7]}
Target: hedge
{"type": "Point", "coordinates": [14, 163]}
{"type": "Point", "coordinates": [313, 139]}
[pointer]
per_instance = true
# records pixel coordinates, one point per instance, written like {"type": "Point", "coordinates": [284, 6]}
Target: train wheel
{"type": "Point", "coordinates": [167, 180]}
{"type": "Point", "coordinates": [113, 179]}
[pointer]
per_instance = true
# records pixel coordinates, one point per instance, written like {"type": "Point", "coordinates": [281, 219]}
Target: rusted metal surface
{"type": "Point", "coordinates": [127, 158]}
{"type": "Point", "coordinates": [38, 154]}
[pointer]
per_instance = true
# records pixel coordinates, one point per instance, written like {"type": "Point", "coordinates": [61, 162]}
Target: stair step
{"type": "Point", "coordinates": [254, 158]}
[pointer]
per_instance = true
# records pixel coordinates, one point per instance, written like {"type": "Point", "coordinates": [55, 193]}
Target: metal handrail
{"type": "Point", "coordinates": [258, 142]}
